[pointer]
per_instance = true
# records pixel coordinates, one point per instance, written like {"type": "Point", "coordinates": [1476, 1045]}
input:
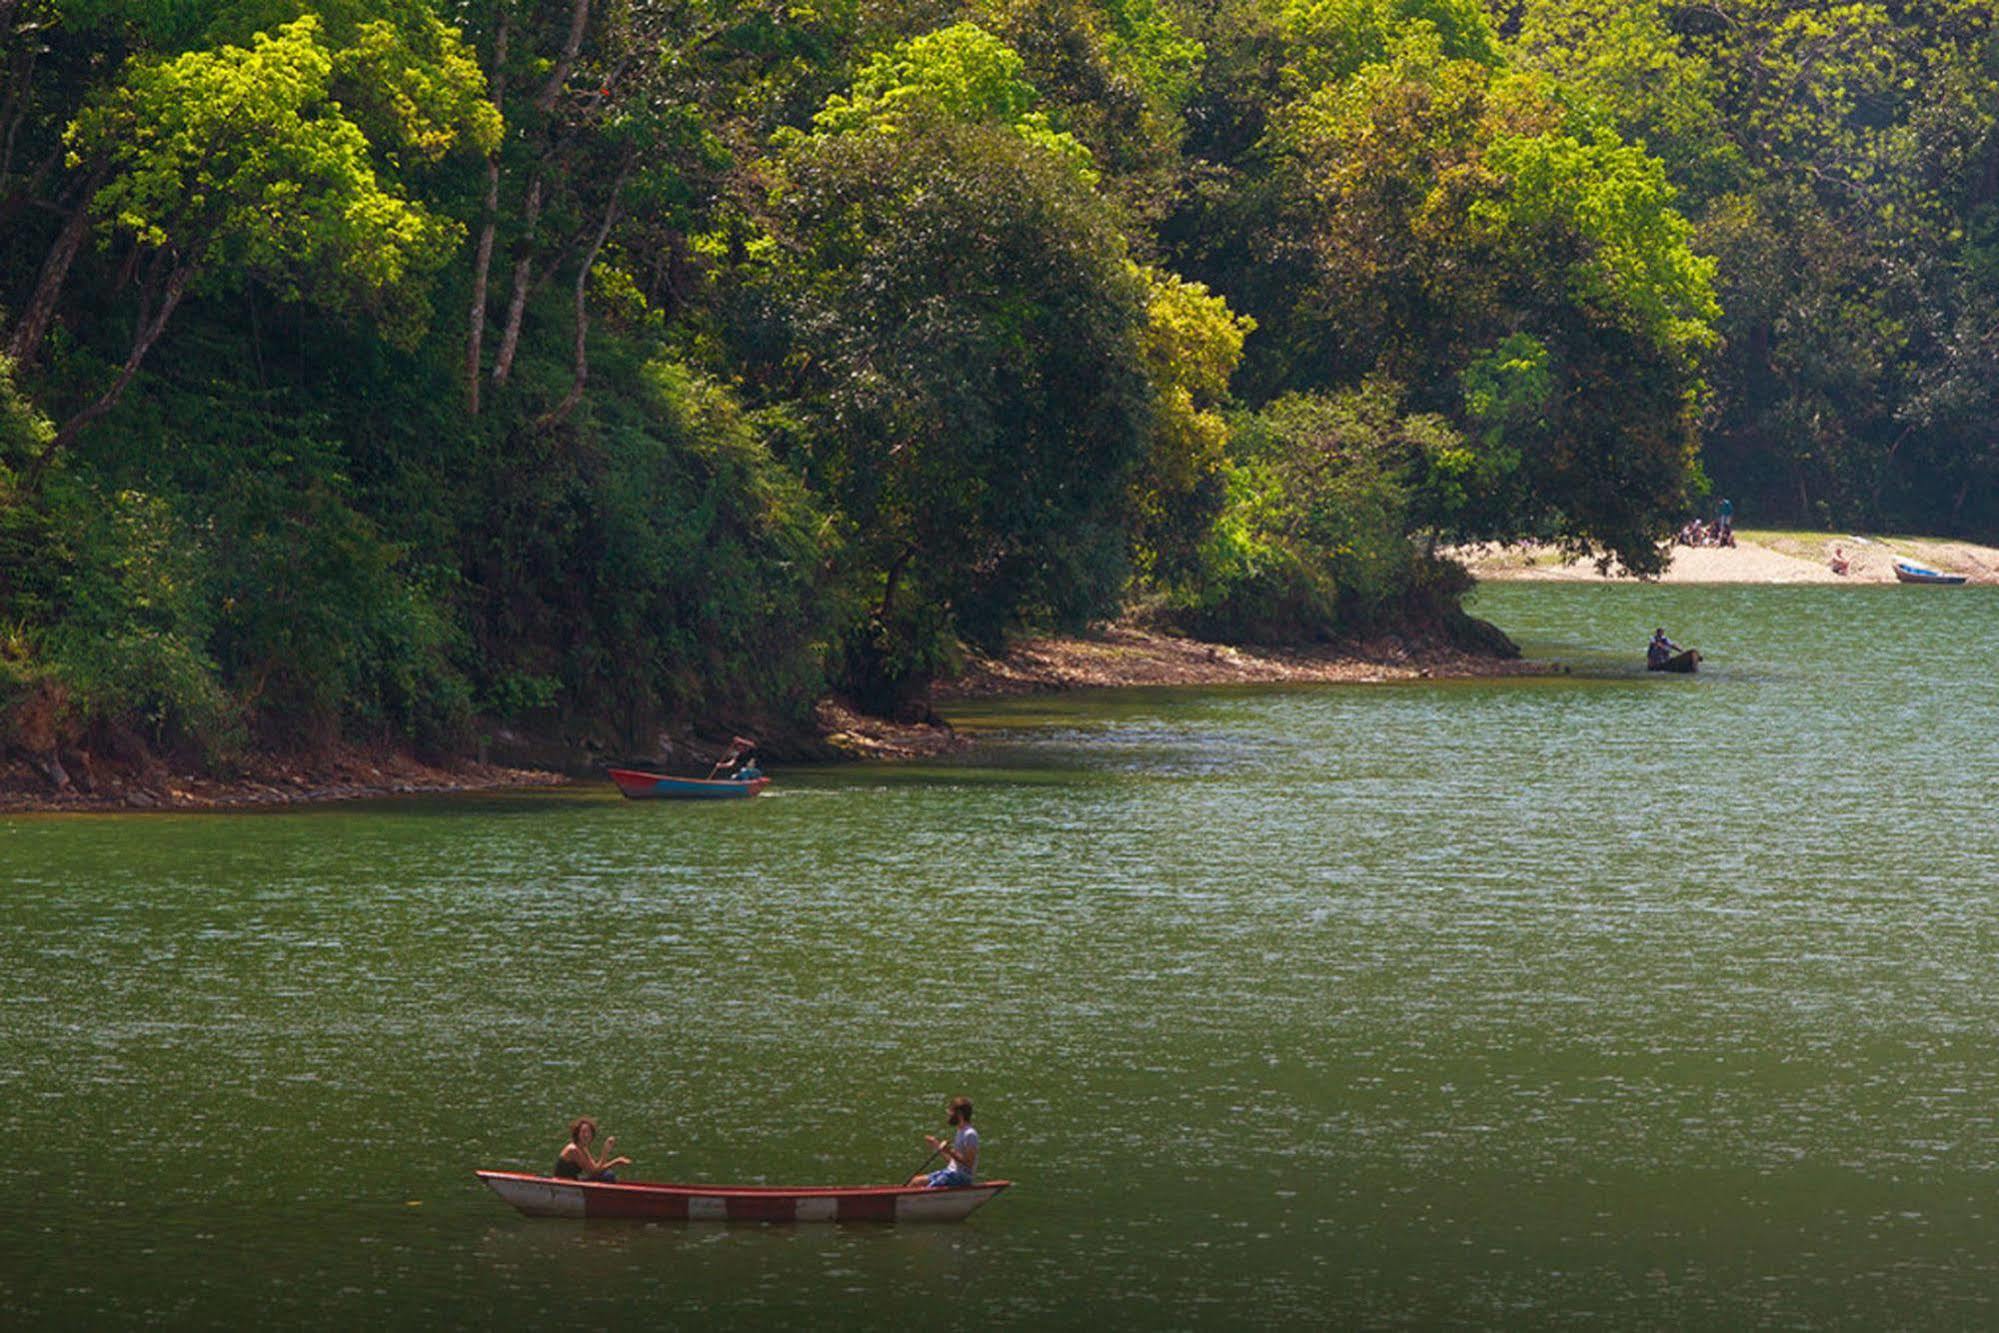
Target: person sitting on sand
{"type": "Point", "coordinates": [1661, 649]}
{"type": "Point", "coordinates": [961, 1150]}
{"type": "Point", "coordinates": [1839, 561]}
{"type": "Point", "coordinates": [576, 1163]}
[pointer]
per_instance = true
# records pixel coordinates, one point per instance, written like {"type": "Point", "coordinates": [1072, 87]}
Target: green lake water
{"type": "Point", "coordinates": [1600, 999]}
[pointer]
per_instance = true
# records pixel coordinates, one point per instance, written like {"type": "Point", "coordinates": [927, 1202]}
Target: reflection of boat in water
{"type": "Point", "coordinates": [1907, 571]}
{"type": "Point", "coordinates": [1686, 662]}
{"type": "Point", "coordinates": [547, 1196]}
{"type": "Point", "coordinates": [639, 786]}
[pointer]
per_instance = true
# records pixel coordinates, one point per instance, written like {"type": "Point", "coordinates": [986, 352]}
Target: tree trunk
{"type": "Point", "coordinates": [148, 333]}
{"type": "Point", "coordinates": [890, 583]}
{"type": "Point", "coordinates": [1957, 507]}
{"type": "Point", "coordinates": [579, 19]}
{"type": "Point", "coordinates": [482, 261]}
{"type": "Point", "coordinates": [510, 337]}
{"type": "Point", "coordinates": [482, 264]}
{"type": "Point", "coordinates": [575, 394]}
{"type": "Point", "coordinates": [41, 307]}
{"type": "Point", "coordinates": [19, 81]}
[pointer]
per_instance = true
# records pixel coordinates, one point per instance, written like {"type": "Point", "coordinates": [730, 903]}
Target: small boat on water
{"type": "Point", "coordinates": [639, 1201]}
{"type": "Point", "coordinates": [1908, 571]}
{"type": "Point", "coordinates": [1686, 662]}
{"type": "Point", "coordinates": [639, 786]}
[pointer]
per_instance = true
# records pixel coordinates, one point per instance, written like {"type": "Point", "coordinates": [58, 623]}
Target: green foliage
{"type": "Point", "coordinates": [242, 161]}
{"type": "Point", "coordinates": [1314, 541]}
{"type": "Point", "coordinates": [1192, 344]}
{"type": "Point", "coordinates": [961, 74]}
{"type": "Point", "coordinates": [128, 637]}
{"type": "Point", "coordinates": [1328, 41]}
{"type": "Point", "coordinates": [1445, 208]}
{"type": "Point", "coordinates": [1622, 59]}
{"type": "Point", "coordinates": [980, 446]}
{"type": "Point", "coordinates": [1611, 201]}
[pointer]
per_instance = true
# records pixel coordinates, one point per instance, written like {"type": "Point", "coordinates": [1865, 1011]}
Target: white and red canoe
{"type": "Point", "coordinates": [547, 1196]}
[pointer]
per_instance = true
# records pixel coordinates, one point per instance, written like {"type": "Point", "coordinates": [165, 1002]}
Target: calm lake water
{"type": "Point", "coordinates": [1607, 998]}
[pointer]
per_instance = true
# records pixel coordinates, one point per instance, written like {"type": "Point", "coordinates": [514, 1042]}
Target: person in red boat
{"type": "Point", "coordinates": [576, 1161]}
{"type": "Point", "coordinates": [961, 1150]}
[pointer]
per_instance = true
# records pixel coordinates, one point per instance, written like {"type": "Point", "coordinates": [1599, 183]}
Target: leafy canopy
{"type": "Point", "coordinates": [961, 73]}
{"type": "Point", "coordinates": [242, 160]}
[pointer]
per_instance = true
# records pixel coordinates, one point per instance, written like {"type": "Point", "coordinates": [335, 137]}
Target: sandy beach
{"type": "Point", "coordinates": [1758, 557]}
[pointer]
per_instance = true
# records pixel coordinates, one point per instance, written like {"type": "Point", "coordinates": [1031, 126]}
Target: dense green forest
{"type": "Point", "coordinates": [395, 369]}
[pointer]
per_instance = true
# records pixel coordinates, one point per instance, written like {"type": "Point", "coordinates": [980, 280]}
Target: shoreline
{"type": "Point", "coordinates": [1115, 657]}
{"type": "Point", "coordinates": [1124, 657]}
{"type": "Point", "coordinates": [266, 783]}
{"type": "Point", "coordinates": [1760, 556]}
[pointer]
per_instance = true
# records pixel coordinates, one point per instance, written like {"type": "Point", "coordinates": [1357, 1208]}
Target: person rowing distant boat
{"type": "Point", "coordinates": [739, 764]}
{"type": "Point", "coordinates": [1660, 650]}
{"type": "Point", "coordinates": [576, 1161]}
{"type": "Point", "coordinates": [961, 1150]}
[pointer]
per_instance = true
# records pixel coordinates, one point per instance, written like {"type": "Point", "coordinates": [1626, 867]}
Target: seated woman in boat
{"type": "Point", "coordinates": [1660, 649]}
{"type": "Point", "coordinates": [576, 1162]}
{"type": "Point", "coordinates": [961, 1150]}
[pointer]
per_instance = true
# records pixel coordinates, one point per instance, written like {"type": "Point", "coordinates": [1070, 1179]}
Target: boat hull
{"type": "Point", "coordinates": [547, 1196]}
{"type": "Point", "coordinates": [638, 786]}
{"type": "Point", "coordinates": [1905, 573]}
{"type": "Point", "coordinates": [1685, 663]}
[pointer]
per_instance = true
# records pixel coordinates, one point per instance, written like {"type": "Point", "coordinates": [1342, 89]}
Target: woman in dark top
{"type": "Point", "coordinates": [576, 1163]}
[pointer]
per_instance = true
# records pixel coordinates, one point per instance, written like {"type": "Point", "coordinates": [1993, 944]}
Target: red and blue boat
{"type": "Point", "coordinates": [638, 786]}
{"type": "Point", "coordinates": [640, 1201]}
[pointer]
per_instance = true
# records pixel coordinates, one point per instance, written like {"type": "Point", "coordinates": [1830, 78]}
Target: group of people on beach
{"type": "Point", "coordinates": [578, 1161]}
{"type": "Point", "coordinates": [1698, 531]}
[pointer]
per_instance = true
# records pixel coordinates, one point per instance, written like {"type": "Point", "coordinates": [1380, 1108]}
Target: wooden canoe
{"type": "Point", "coordinates": [640, 1201]}
{"type": "Point", "coordinates": [639, 786]}
{"type": "Point", "coordinates": [1686, 662]}
{"type": "Point", "coordinates": [1907, 571]}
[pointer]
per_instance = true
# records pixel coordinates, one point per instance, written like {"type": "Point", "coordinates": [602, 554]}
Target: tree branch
{"type": "Point", "coordinates": [510, 336]}
{"type": "Point", "coordinates": [482, 261]}
{"type": "Point", "coordinates": [143, 338]}
{"type": "Point", "coordinates": [41, 307]}
{"type": "Point", "coordinates": [579, 19]}
{"type": "Point", "coordinates": [575, 394]}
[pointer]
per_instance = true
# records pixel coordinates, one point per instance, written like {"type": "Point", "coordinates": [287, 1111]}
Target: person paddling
{"type": "Point", "coordinates": [576, 1161]}
{"type": "Point", "coordinates": [961, 1150]}
{"type": "Point", "coordinates": [1661, 649]}
{"type": "Point", "coordinates": [741, 754]}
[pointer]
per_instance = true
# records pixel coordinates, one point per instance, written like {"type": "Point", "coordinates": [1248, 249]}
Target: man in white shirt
{"type": "Point", "coordinates": [961, 1150]}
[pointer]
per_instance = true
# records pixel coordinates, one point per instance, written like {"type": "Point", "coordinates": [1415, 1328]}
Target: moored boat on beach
{"type": "Point", "coordinates": [640, 786]}
{"type": "Point", "coordinates": [640, 1201]}
{"type": "Point", "coordinates": [1907, 571]}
